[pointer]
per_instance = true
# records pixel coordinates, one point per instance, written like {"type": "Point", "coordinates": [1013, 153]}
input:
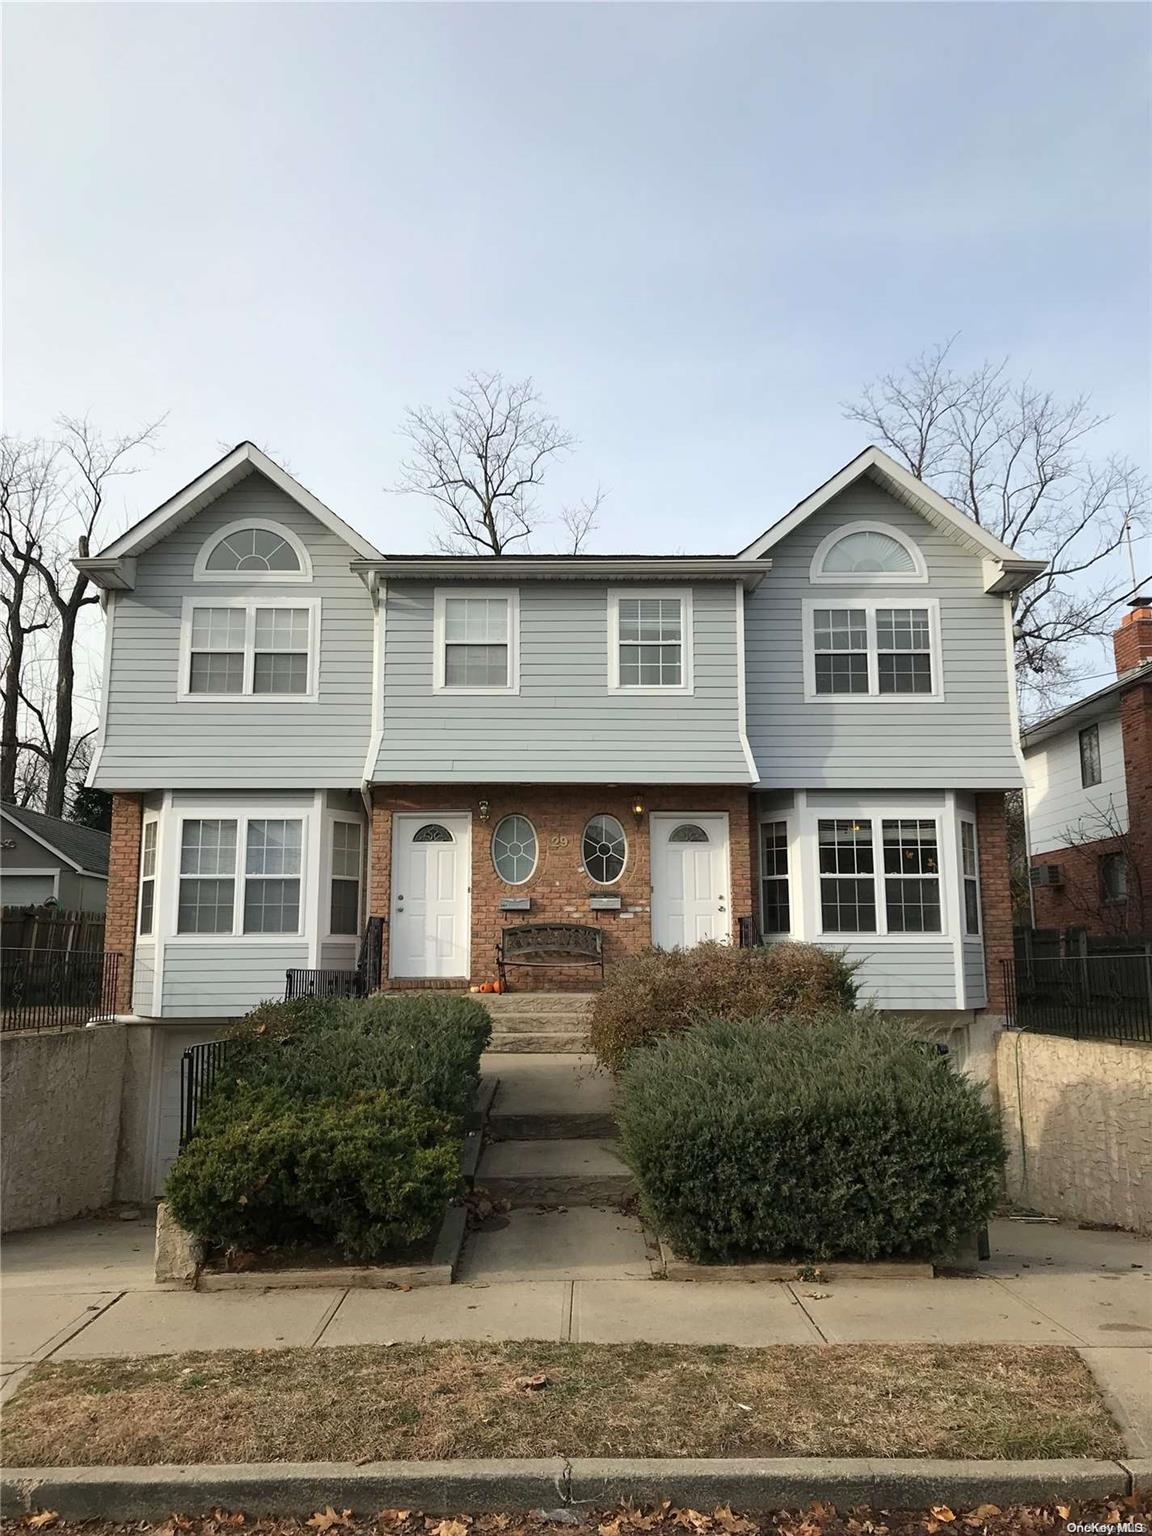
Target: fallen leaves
{"type": "Point", "coordinates": [535, 1383]}
{"type": "Point", "coordinates": [325, 1519]}
{"type": "Point", "coordinates": [45, 1517]}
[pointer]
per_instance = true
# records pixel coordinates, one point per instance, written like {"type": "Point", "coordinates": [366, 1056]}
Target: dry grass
{"type": "Point", "coordinates": [427, 1401]}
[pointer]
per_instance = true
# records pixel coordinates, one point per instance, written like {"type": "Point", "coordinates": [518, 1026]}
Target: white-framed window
{"type": "Point", "coordinates": [148, 836]}
{"type": "Point", "coordinates": [650, 640]}
{"type": "Point", "coordinates": [515, 849]}
{"type": "Point", "coordinates": [1090, 772]}
{"type": "Point", "coordinates": [872, 649]}
{"type": "Point", "coordinates": [866, 554]}
{"type": "Point", "coordinates": [347, 855]}
{"type": "Point", "coordinates": [240, 875]}
{"type": "Point", "coordinates": [476, 633]}
{"type": "Point", "coordinates": [253, 549]}
{"type": "Point", "coordinates": [970, 875]}
{"type": "Point", "coordinates": [259, 648]}
{"type": "Point", "coordinates": [604, 849]}
{"type": "Point", "coordinates": [775, 890]}
{"type": "Point", "coordinates": [879, 875]}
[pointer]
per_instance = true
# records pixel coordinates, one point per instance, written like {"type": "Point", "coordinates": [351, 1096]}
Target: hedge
{"type": "Point", "coordinates": [661, 991]}
{"type": "Point", "coordinates": [369, 1175]}
{"type": "Point", "coordinates": [838, 1137]}
{"type": "Point", "coordinates": [425, 1048]}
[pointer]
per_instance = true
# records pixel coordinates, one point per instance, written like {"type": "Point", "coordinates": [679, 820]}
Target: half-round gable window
{"type": "Point", "coordinates": [253, 550]}
{"type": "Point", "coordinates": [868, 553]}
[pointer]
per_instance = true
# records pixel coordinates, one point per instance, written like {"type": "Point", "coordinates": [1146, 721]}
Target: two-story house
{"type": "Point", "coordinates": [301, 731]}
{"type": "Point", "coordinates": [1089, 797]}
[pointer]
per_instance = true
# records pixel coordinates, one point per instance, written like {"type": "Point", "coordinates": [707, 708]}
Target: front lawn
{"type": "Point", "coordinates": [442, 1400]}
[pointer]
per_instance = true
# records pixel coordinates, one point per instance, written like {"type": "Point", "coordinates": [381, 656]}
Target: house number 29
{"type": "Point", "coordinates": [557, 840]}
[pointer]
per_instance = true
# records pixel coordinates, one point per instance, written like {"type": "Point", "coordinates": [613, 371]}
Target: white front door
{"type": "Point", "coordinates": [690, 884]}
{"type": "Point", "coordinates": [431, 859]}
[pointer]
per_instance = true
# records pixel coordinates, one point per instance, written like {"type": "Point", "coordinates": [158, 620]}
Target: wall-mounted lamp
{"type": "Point", "coordinates": [485, 809]}
{"type": "Point", "coordinates": [638, 809]}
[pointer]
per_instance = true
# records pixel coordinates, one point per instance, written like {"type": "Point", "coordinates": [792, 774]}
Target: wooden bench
{"type": "Point", "coordinates": [550, 944]}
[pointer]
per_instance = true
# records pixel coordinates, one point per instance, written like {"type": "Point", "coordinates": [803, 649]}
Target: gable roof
{"type": "Point", "coordinates": [82, 848]}
{"type": "Point", "coordinates": [1008, 571]}
{"type": "Point", "coordinates": [113, 567]}
{"type": "Point", "coordinates": [1094, 706]}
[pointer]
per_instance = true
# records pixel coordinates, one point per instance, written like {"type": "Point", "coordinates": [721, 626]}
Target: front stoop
{"type": "Point", "coordinates": [586, 1171]}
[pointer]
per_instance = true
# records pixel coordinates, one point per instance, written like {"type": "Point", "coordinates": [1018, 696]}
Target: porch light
{"type": "Point", "coordinates": [638, 809]}
{"type": "Point", "coordinates": [485, 807]}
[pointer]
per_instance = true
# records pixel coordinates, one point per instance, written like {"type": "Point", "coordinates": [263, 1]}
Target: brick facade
{"type": "Point", "coordinates": [558, 887]}
{"type": "Point", "coordinates": [1079, 903]}
{"type": "Point", "coordinates": [995, 892]}
{"type": "Point", "coordinates": [123, 884]}
{"type": "Point", "coordinates": [1132, 642]}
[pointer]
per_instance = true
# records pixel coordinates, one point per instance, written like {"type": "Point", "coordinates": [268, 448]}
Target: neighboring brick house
{"type": "Point", "coordinates": [814, 734]}
{"type": "Point", "coordinates": [1089, 798]}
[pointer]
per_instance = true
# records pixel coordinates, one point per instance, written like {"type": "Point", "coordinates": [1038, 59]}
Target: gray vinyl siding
{"type": "Point", "coordinates": [222, 981]}
{"type": "Point", "coordinates": [143, 977]}
{"type": "Point", "coordinates": [966, 738]}
{"type": "Point", "coordinates": [1061, 811]}
{"type": "Point", "coordinates": [564, 726]}
{"type": "Point", "coordinates": [903, 975]}
{"type": "Point", "coordinates": [153, 738]}
{"type": "Point", "coordinates": [975, 982]}
{"type": "Point", "coordinates": [338, 954]}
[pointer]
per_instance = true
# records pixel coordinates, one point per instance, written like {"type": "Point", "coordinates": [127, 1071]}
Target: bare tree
{"type": "Point", "coordinates": [481, 461]}
{"type": "Point", "coordinates": [579, 521]}
{"type": "Point", "coordinates": [1105, 824]}
{"type": "Point", "coordinates": [1016, 460]}
{"type": "Point", "coordinates": [52, 500]}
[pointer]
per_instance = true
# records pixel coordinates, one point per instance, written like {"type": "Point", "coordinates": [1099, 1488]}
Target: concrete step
{"type": "Point", "coordinates": [567, 1042]}
{"type": "Point", "coordinates": [500, 1003]}
{"type": "Point", "coordinates": [567, 1172]}
{"type": "Point", "coordinates": [540, 1023]}
{"type": "Point", "coordinates": [558, 1126]}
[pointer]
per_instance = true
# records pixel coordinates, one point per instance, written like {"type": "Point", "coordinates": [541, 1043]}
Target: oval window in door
{"type": "Point", "coordinates": [688, 832]}
{"type": "Point", "coordinates": [433, 833]}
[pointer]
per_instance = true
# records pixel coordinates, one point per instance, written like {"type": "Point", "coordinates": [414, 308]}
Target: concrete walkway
{"type": "Point", "coordinates": [85, 1289]}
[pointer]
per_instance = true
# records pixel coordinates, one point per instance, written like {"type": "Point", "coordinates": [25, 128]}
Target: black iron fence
{"type": "Point", "coordinates": [200, 1066]}
{"type": "Point", "coordinates": [1089, 997]}
{"type": "Point", "coordinates": [301, 983]}
{"type": "Point", "coordinates": [56, 988]}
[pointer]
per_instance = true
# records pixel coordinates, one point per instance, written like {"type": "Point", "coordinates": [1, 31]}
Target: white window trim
{"type": "Point", "coordinates": [326, 934]}
{"type": "Point", "coordinates": [308, 917]}
{"type": "Point", "coordinates": [200, 571]}
{"type": "Point", "coordinates": [877, 814]}
{"type": "Point", "coordinates": [685, 685]}
{"type": "Point", "coordinates": [870, 605]}
{"type": "Point", "coordinates": [439, 603]}
{"type": "Point", "coordinates": [249, 604]}
{"type": "Point", "coordinates": [772, 818]}
{"type": "Point", "coordinates": [151, 819]}
{"type": "Point", "coordinates": [820, 577]}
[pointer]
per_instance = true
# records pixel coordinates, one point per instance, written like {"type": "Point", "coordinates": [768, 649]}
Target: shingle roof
{"type": "Point", "coordinates": [78, 845]}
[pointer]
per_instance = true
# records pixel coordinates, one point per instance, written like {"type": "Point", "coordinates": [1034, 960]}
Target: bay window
{"type": "Point", "coordinates": [879, 876]}
{"type": "Point", "coordinates": [269, 902]}
{"type": "Point", "coordinates": [970, 874]}
{"type": "Point", "coordinates": [148, 877]}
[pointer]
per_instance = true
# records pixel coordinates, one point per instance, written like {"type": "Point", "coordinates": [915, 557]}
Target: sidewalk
{"type": "Point", "coordinates": [85, 1289]}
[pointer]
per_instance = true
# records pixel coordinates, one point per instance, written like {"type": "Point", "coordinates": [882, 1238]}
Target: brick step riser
{"type": "Point", "coordinates": [550, 1127]}
{"type": "Point", "coordinates": [539, 1024]}
{"type": "Point", "coordinates": [559, 1189]}
{"type": "Point", "coordinates": [566, 1044]}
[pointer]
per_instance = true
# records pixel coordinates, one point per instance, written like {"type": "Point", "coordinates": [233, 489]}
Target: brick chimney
{"type": "Point", "coordinates": [1132, 642]}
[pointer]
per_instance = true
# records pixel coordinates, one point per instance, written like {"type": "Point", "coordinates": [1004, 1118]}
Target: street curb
{"type": "Point", "coordinates": [456, 1487]}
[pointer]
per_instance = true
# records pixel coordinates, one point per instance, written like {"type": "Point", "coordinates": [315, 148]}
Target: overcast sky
{"type": "Point", "coordinates": [699, 227]}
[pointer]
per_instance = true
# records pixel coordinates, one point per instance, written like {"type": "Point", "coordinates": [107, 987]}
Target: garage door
{"type": "Point", "coordinates": [173, 1044]}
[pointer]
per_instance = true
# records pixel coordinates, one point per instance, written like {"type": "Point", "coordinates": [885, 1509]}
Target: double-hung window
{"type": "Point", "coordinates": [1090, 756]}
{"type": "Point", "coordinates": [148, 877]}
{"type": "Point", "coordinates": [970, 874]}
{"type": "Point", "coordinates": [775, 906]}
{"type": "Point", "coordinates": [344, 905]}
{"type": "Point", "coordinates": [879, 876]}
{"type": "Point", "coordinates": [477, 642]}
{"type": "Point", "coordinates": [871, 650]}
{"type": "Point", "coordinates": [261, 650]}
{"type": "Point", "coordinates": [650, 642]}
{"type": "Point", "coordinates": [263, 854]}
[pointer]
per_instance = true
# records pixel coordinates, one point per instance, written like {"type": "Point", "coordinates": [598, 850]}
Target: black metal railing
{"type": "Point", "coordinates": [1087, 997]}
{"type": "Point", "coordinates": [748, 933]}
{"type": "Point", "coordinates": [56, 988]}
{"type": "Point", "coordinates": [324, 983]}
{"type": "Point", "coordinates": [200, 1066]}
